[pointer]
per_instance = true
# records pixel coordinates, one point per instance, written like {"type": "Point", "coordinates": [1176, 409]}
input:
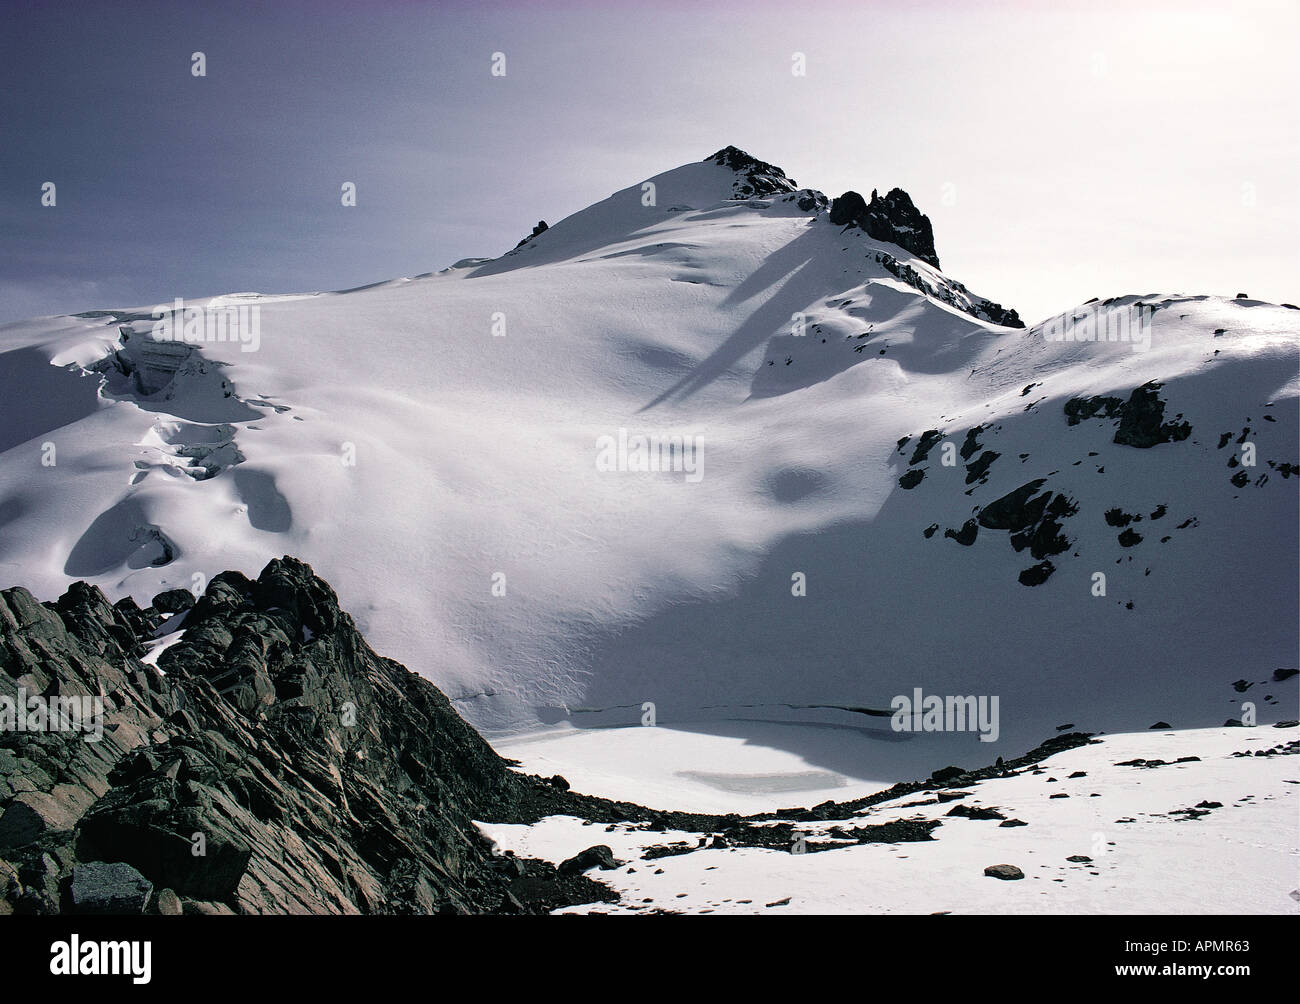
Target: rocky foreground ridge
{"type": "Point", "coordinates": [276, 764]}
{"type": "Point", "coordinates": [273, 763]}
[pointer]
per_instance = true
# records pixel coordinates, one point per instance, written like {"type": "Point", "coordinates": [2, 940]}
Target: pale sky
{"type": "Point", "coordinates": [1061, 150]}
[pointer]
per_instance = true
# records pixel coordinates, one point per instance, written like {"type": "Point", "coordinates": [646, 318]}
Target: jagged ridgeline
{"type": "Point", "coordinates": [271, 763]}
{"type": "Point", "coordinates": [893, 218]}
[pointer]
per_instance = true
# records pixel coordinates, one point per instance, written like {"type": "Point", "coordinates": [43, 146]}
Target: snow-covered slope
{"type": "Point", "coordinates": [1195, 821]}
{"type": "Point", "coordinates": [433, 447]}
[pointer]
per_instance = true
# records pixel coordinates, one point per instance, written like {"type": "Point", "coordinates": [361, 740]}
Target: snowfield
{"type": "Point", "coordinates": [894, 493]}
{"type": "Point", "coordinates": [1134, 850]}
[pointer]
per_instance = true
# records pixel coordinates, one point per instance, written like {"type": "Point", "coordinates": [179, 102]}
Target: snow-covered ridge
{"type": "Point", "coordinates": [890, 230]}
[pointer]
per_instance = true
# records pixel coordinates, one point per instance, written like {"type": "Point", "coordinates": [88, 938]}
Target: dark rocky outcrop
{"type": "Point", "coordinates": [809, 200]}
{"type": "Point", "coordinates": [276, 764]}
{"type": "Point", "coordinates": [966, 535]}
{"type": "Point", "coordinates": [541, 228]}
{"type": "Point", "coordinates": [1016, 510]}
{"type": "Point", "coordinates": [1141, 417]}
{"type": "Point", "coordinates": [756, 178]}
{"type": "Point", "coordinates": [1036, 575]}
{"type": "Point", "coordinates": [975, 812]}
{"type": "Point", "coordinates": [1080, 409]}
{"type": "Point", "coordinates": [985, 310]}
{"type": "Point", "coordinates": [848, 209]}
{"type": "Point", "coordinates": [173, 601]}
{"type": "Point", "coordinates": [1033, 519]}
{"type": "Point", "coordinates": [978, 469]}
{"type": "Point", "coordinates": [998, 314]}
{"type": "Point", "coordinates": [1142, 424]}
{"type": "Point", "coordinates": [893, 218]}
{"type": "Point", "coordinates": [599, 856]}
{"type": "Point", "coordinates": [923, 447]}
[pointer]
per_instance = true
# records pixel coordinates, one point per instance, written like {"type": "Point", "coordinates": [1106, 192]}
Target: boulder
{"type": "Point", "coordinates": [108, 887]}
{"type": "Point", "coordinates": [169, 904]}
{"type": "Point", "coordinates": [975, 812]}
{"type": "Point", "coordinates": [173, 601]}
{"type": "Point", "coordinates": [848, 209]}
{"type": "Point", "coordinates": [599, 856]}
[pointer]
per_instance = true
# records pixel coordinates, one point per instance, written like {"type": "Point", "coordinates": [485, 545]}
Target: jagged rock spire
{"type": "Point", "coordinates": [894, 218]}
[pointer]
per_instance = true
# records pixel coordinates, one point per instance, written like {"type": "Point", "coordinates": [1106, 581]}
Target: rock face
{"type": "Point", "coordinates": [276, 764]}
{"type": "Point", "coordinates": [998, 314]}
{"type": "Point", "coordinates": [848, 208]}
{"type": "Point", "coordinates": [757, 178]}
{"type": "Point", "coordinates": [894, 219]}
{"type": "Point", "coordinates": [173, 601]}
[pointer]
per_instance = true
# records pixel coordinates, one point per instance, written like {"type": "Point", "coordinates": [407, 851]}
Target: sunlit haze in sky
{"type": "Point", "coordinates": [1061, 150]}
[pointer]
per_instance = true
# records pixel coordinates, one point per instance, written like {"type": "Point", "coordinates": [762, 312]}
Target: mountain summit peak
{"type": "Point", "coordinates": [893, 218]}
{"type": "Point", "coordinates": [757, 177]}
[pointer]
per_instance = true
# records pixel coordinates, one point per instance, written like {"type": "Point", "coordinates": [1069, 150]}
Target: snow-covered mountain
{"type": "Point", "coordinates": [884, 482]}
